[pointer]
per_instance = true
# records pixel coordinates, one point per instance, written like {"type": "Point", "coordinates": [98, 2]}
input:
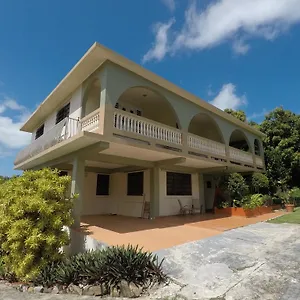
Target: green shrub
{"type": "Point", "coordinates": [259, 182]}
{"type": "Point", "coordinates": [237, 186]}
{"type": "Point", "coordinates": [107, 266]}
{"type": "Point", "coordinates": [33, 211]}
{"type": "Point", "coordinates": [253, 201]}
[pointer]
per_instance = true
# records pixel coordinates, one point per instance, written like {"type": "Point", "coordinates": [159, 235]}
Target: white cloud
{"type": "Point", "coordinates": [170, 4]}
{"type": "Point", "coordinates": [210, 92]}
{"type": "Point", "coordinates": [236, 21]}
{"type": "Point", "coordinates": [10, 135]}
{"type": "Point", "coordinates": [240, 47]}
{"type": "Point", "coordinates": [258, 115]}
{"type": "Point", "coordinates": [160, 47]}
{"type": "Point", "coordinates": [227, 98]}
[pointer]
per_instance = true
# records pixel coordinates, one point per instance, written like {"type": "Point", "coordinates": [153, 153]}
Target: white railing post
{"type": "Point", "coordinates": [206, 145]}
{"type": "Point", "coordinates": [148, 128]}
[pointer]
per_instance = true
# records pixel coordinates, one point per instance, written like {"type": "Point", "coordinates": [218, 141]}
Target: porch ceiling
{"type": "Point", "coordinates": [104, 165]}
{"type": "Point", "coordinates": [137, 152]}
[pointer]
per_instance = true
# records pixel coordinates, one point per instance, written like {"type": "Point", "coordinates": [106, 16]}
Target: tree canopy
{"type": "Point", "coordinates": [281, 145]}
{"type": "Point", "coordinates": [239, 114]}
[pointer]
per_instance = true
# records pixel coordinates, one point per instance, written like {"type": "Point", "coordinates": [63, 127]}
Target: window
{"type": "Point", "coordinates": [63, 113]}
{"type": "Point", "coordinates": [208, 184]}
{"type": "Point", "coordinates": [179, 184]}
{"type": "Point", "coordinates": [39, 132]}
{"type": "Point", "coordinates": [102, 185]}
{"type": "Point", "coordinates": [135, 184]}
{"type": "Point", "coordinates": [63, 173]}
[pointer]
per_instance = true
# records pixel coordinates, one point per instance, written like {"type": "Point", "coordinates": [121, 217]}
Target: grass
{"type": "Point", "coordinates": [293, 218]}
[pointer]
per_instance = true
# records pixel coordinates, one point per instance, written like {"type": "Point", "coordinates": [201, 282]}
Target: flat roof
{"type": "Point", "coordinates": [90, 62]}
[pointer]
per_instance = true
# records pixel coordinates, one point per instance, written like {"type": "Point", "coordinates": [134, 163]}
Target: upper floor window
{"type": "Point", "coordinates": [63, 113]}
{"type": "Point", "coordinates": [102, 185]}
{"type": "Point", "coordinates": [179, 184]}
{"type": "Point", "coordinates": [135, 184]}
{"type": "Point", "coordinates": [39, 132]}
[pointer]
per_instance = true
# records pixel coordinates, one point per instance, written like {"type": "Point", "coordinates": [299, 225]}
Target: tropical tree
{"type": "Point", "coordinates": [239, 114]}
{"type": "Point", "coordinates": [282, 147]}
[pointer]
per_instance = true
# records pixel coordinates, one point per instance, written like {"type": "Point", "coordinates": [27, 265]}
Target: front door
{"type": "Point", "coordinates": [209, 193]}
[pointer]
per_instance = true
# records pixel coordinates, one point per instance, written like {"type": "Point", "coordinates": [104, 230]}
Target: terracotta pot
{"type": "Point", "coordinates": [289, 207]}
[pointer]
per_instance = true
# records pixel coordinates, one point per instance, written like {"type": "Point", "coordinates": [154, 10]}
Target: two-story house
{"type": "Point", "coordinates": [129, 137]}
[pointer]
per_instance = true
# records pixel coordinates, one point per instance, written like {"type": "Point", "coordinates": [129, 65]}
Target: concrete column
{"type": "Point", "coordinates": [227, 154]}
{"type": "Point", "coordinates": [201, 191]}
{"type": "Point", "coordinates": [154, 192]}
{"type": "Point", "coordinates": [77, 187]}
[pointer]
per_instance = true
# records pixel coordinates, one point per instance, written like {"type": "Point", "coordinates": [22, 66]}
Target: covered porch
{"type": "Point", "coordinates": [162, 232]}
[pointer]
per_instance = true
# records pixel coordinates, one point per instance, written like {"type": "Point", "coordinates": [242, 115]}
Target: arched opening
{"type": "Point", "coordinates": [205, 126]}
{"type": "Point", "coordinates": [147, 103]}
{"type": "Point", "coordinates": [239, 141]}
{"type": "Point", "coordinates": [257, 148]}
{"type": "Point", "coordinates": [91, 99]}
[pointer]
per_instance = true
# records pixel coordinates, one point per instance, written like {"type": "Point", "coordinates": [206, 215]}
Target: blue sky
{"type": "Point", "coordinates": [239, 54]}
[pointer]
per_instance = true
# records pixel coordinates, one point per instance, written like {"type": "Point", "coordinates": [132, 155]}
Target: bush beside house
{"type": "Point", "coordinates": [34, 209]}
{"type": "Point", "coordinates": [247, 198]}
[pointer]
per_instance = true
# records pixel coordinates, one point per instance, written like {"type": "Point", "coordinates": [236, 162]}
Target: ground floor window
{"type": "Point", "coordinates": [102, 185]}
{"type": "Point", "coordinates": [179, 184]}
{"type": "Point", "coordinates": [135, 184]}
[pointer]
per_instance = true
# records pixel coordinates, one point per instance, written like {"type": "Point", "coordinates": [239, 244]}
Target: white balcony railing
{"type": "Point", "coordinates": [241, 156]}
{"type": "Point", "coordinates": [60, 132]}
{"type": "Point", "coordinates": [131, 123]}
{"type": "Point", "coordinates": [91, 121]}
{"type": "Point", "coordinates": [206, 145]}
{"type": "Point", "coordinates": [259, 161]}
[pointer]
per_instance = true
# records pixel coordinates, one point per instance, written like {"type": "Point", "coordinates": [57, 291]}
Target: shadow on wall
{"type": "Point", "coordinates": [81, 242]}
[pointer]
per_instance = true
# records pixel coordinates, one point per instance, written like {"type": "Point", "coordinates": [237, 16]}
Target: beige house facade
{"type": "Point", "coordinates": [129, 137]}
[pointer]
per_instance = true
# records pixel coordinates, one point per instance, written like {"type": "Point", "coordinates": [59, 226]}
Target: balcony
{"type": "Point", "coordinates": [62, 131]}
{"type": "Point", "coordinates": [130, 125]}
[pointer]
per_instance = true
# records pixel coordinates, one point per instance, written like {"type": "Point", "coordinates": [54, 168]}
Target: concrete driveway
{"type": "Point", "coordinates": [260, 261]}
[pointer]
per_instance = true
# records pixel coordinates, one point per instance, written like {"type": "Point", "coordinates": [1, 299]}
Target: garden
{"type": "Point", "coordinates": [250, 195]}
{"type": "Point", "coordinates": [34, 211]}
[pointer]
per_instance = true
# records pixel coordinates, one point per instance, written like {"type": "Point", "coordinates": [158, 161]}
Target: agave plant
{"type": "Point", "coordinates": [107, 267]}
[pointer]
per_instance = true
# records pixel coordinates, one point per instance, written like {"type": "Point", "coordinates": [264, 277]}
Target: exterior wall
{"type": "Point", "coordinates": [119, 80]}
{"type": "Point", "coordinates": [75, 111]}
{"type": "Point", "coordinates": [117, 202]}
{"type": "Point", "coordinates": [114, 81]}
{"type": "Point", "coordinates": [168, 205]}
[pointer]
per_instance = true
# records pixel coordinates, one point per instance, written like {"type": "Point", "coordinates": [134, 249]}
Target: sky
{"type": "Point", "coordinates": [240, 54]}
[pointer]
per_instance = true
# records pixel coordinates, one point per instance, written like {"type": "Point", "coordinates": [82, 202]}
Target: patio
{"type": "Point", "coordinates": [163, 232]}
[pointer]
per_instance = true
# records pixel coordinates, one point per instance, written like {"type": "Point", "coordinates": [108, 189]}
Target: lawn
{"type": "Point", "coordinates": [293, 218]}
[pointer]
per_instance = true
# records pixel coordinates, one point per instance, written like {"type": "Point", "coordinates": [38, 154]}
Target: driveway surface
{"type": "Point", "coordinates": [260, 261]}
{"type": "Point", "coordinates": [163, 232]}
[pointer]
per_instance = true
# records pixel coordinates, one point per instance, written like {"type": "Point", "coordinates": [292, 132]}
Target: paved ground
{"type": "Point", "coordinates": [260, 261]}
{"type": "Point", "coordinates": [162, 232]}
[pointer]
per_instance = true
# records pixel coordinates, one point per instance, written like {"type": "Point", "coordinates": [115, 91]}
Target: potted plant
{"type": "Point", "coordinates": [287, 199]}
{"type": "Point", "coordinates": [294, 194]}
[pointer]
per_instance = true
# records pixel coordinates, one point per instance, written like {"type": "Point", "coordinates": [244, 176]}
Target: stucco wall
{"type": "Point", "coordinates": [117, 202]}
{"type": "Point", "coordinates": [119, 80]}
{"type": "Point", "coordinates": [75, 111]}
{"type": "Point", "coordinates": [168, 205]}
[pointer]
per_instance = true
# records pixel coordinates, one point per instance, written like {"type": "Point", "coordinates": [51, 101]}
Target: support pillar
{"type": "Point", "coordinates": [201, 191]}
{"type": "Point", "coordinates": [77, 187]}
{"type": "Point", "coordinates": [154, 192]}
